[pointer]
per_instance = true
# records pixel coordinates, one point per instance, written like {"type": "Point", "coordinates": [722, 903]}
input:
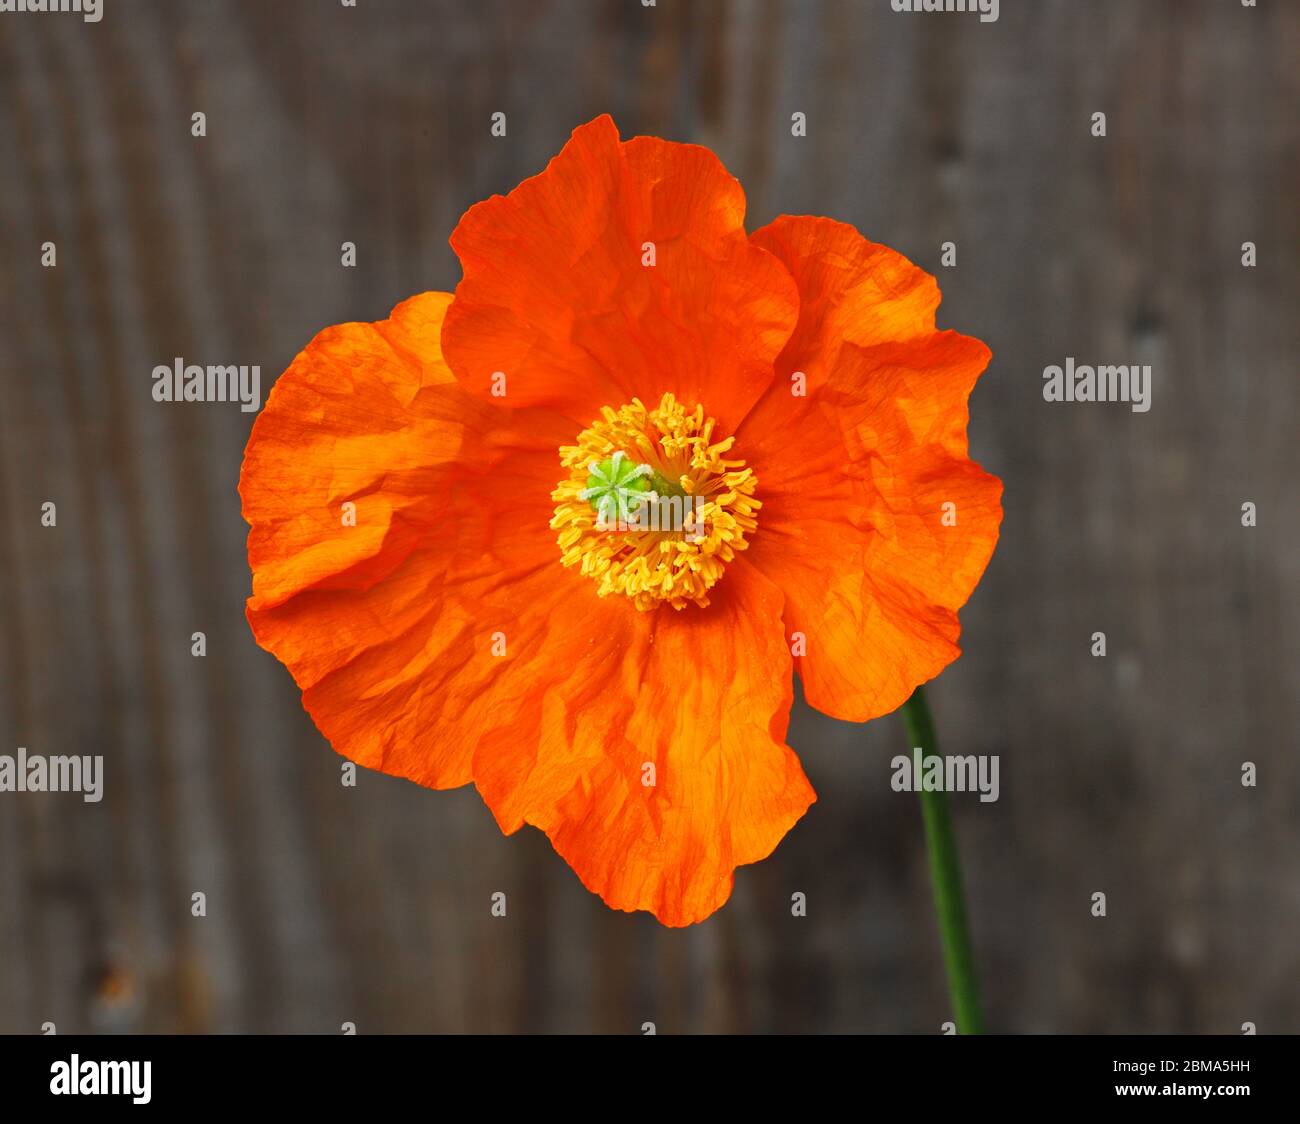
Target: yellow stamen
{"type": "Point", "coordinates": [655, 557]}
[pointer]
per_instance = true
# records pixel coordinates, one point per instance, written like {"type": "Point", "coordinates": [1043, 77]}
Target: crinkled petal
{"type": "Point", "coordinates": [875, 522]}
{"type": "Point", "coordinates": [557, 296]}
{"type": "Point", "coordinates": [370, 606]}
{"type": "Point", "coordinates": [659, 762]}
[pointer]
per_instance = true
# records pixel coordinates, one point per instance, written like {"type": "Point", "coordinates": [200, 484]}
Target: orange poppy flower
{"type": "Point", "coordinates": [451, 544]}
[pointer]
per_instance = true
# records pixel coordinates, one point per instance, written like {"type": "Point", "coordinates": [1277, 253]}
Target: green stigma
{"type": "Point", "coordinates": [616, 487]}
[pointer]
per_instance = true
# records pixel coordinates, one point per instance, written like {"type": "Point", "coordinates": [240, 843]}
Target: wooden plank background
{"type": "Point", "coordinates": [370, 124]}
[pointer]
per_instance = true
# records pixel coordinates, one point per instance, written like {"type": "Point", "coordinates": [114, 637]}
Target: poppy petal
{"type": "Point", "coordinates": [658, 763]}
{"type": "Point", "coordinates": [368, 606]}
{"type": "Point", "coordinates": [875, 522]}
{"type": "Point", "coordinates": [621, 270]}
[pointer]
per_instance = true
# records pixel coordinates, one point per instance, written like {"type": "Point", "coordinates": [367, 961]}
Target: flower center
{"type": "Point", "coordinates": [651, 508]}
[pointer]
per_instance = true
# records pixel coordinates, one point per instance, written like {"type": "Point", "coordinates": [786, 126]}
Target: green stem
{"type": "Point", "coordinates": [945, 874]}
